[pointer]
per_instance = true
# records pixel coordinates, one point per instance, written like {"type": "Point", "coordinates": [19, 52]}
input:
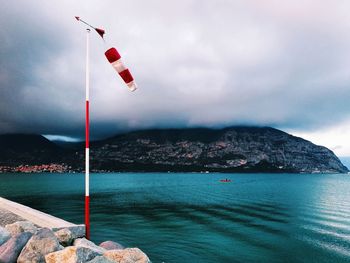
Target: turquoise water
{"type": "Point", "coordinates": [192, 218]}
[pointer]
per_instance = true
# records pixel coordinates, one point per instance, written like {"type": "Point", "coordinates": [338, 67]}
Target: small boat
{"type": "Point", "coordinates": [225, 180]}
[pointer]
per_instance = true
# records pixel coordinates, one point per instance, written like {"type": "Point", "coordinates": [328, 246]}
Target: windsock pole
{"type": "Point", "coordinates": [115, 59]}
{"type": "Point", "coordinates": [87, 167]}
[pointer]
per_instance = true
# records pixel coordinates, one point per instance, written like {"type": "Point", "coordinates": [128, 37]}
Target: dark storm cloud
{"type": "Point", "coordinates": [29, 40]}
{"type": "Point", "coordinates": [198, 63]}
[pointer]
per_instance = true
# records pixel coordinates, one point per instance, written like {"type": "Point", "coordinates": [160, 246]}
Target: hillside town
{"type": "Point", "coordinates": [46, 168]}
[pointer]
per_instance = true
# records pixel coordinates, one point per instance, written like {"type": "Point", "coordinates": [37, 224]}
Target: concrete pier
{"type": "Point", "coordinates": [12, 210]}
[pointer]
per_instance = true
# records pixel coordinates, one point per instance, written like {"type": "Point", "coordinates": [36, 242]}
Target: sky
{"type": "Point", "coordinates": [198, 63]}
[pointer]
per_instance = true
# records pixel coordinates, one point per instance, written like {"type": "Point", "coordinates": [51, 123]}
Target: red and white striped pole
{"type": "Point", "coordinates": [87, 168]}
{"type": "Point", "coordinates": [115, 59]}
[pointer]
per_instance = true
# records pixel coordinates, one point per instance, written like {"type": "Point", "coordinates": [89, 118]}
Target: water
{"type": "Point", "coordinates": [195, 218]}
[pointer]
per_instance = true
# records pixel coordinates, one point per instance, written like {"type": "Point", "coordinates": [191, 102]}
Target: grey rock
{"type": "Point", "coordinates": [128, 255]}
{"type": "Point", "coordinates": [4, 235]}
{"type": "Point", "coordinates": [83, 242]}
{"type": "Point", "coordinates": [64, 236]}
{"type": "Point", "coordinates": [10, 250]}
{"type": "Point", "coordinates": [21, 226]}
{"type": "Point", "coordinates": [71, 254]}
{"type": "Point", "coordinates": [110, 245]}
{"type": "Point", "coordinates": [39, 245]}
{"type": "Point", "coordinates": [78, 231]}
{"type": "Point", "coordinates": [100, 259]}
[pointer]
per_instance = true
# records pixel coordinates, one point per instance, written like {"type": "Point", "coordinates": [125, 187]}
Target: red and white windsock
{"type": "Point", "coordinates": [114, 58]}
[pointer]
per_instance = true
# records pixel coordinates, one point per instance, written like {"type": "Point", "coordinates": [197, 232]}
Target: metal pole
{"type": "Point", "coordinates": [87, 168]}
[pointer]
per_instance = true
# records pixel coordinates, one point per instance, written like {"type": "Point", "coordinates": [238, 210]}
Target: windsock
{"type": "Point", "coordinates": [114, 58]}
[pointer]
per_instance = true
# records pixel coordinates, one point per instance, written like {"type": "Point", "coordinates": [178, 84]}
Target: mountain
{"type": "Point", "coordinates": [28, 149]}
{"type": "Point", "coordinates": [233, 149]}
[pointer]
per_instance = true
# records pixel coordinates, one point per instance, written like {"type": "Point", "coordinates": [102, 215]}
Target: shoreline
{"type": "Point", "coordinates": [29, 235]}
{"type": "Point", "coordinates": [14, 171]}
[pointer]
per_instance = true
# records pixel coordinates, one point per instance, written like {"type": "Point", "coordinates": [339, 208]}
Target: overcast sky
{"type": "Point", "coordinates": [212, 63]}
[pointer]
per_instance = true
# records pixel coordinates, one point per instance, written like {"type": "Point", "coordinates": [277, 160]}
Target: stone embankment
{"type": "Point", "coordinates": [28, 235]}
{"type": "Point", "coordinates": [24, 242]}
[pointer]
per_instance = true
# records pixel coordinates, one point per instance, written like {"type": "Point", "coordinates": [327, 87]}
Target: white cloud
{"type": "Point", "coordinates": [336, 138]}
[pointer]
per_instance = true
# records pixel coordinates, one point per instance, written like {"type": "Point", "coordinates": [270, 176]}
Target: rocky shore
{"type": "Point", "coordinates": [24, 242]}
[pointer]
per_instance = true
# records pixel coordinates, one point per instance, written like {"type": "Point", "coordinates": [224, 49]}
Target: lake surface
{"type": "Point", "coordinates": [177, 217]}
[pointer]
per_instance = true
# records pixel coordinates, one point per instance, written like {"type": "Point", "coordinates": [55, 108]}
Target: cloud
{"type": "Point", "coordinates": [335, 137]}
{"type": "Point", "coordinates": [197, 63]}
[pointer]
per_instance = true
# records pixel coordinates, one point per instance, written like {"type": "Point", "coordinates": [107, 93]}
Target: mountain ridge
{"type": "Point", "coordinates": [230, 149]}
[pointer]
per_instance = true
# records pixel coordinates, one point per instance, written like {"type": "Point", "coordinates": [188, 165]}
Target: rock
{"type": "Point", "coordinates": [64, 236]}
{"type": "Point", "coordinates": [71, 254]}
{"type": "Point", "coordinates": [110, 245]}
{"type": "Point", "coordinates": [100, 259]}
{"type": "Point", "coordinates": [40, 244]}
{"type": "Point", "coordinates": [21, 226]}
{"type": "Point", "coordinates": [10, 251]}
{"type": "Point", "coordinates": [82, 242]}
{"type": "Point", "coordinates": [128, 255]}
{"type": "Point", "coordinates": [78, 231]}
{"type": "Point", "coordinates": [4, 235]}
